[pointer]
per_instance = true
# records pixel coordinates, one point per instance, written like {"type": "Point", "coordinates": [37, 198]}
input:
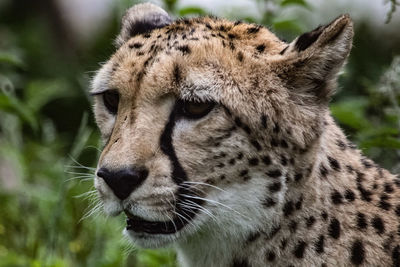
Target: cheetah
{"type": "Point", "coordinates": [219, 142]}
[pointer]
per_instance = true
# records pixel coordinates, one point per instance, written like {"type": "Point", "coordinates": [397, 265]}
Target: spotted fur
{"type": "Point", "coordinates": [266, 178]}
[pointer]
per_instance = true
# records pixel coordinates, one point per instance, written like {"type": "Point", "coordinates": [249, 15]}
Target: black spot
{"type": "Point", "coordinates": [357, 253]}
{"type": "Point", "coordinates": [283, 160]}
{"type": "Point", "coordinates": [378, 224]}
{"type": "Point", "coordinates": [276, 129]}
{"type": "Point", "coordinates": [288, 208]}
{"type": "Point", "coordinates": [222, 177]}
{"type": "Point", "coordinates": [253, 236]}
{"type": "Point", "coordinates": [323, 170]}
{"type": "Point", "coordinates": [284, 144]}
{"type": "Point", "coordinates": [247, 129]}
{"type": "Point", "coordinates": [299, 203]}
{"type": "Point", "coordinates": [299, 249]}
{"type": "Point", "coordinates": [244, 172]}
{"type": "Point", "coordinates": [298, 177]}
{"type": "Point", "coordinates": [266, 160]}
{"type": "Point", "coordinates": [334, 164]}
{"type": "Point", "coordinates": [365, 194]}
{"type": "Point", "coordinates": [334, 228]}
{"type": "Point", "coordinates": [274, 231]}
{"type": "Point", "coordinates": [271, 256]}
{"type": "Point", "coordinates": [293, 226]}
{"type": "Point", "coordinates": [275, 187]}
{"type": "Point", "coordinates": [396, 256]}
{"type": "Point", "coordinates": [388, 188]}
{"type": "Point", "coordinates": [336, 197]}
{"type": "Point", "coordinates": [240, 155]}
{"type": "Point", "coordinates": [274, 142]}
{"type": "Point", "coordinates": [341, 144]}
{"type": "Point", "coordinates": [397, 210]}
{"type": "Point", "coordinates": [208, 26]}
{"type": "Point", "coordinates": [274, 173]}
{"type": "Point", "coordinates": [260, 48]}
{"type": "Point", "coordinates": [349, 195]}
{"type": "Point", "coordinates": [264, 119]}
{"type": "Point", "coordinates": [136, 45]}
{"type": "Point", "coordinates": [383, 204]}
{"type": "Point", "coordinates": [310, 221]}
{"type": "Point", "coordinates": [231, 36]}
{"type": "Point", "coordinates": [253, 161]}
{"type": "Point", "coordinates": [232, 161]}
{"type": "Point", "coordinates": [238, 122]}
{"type": "Point", "coordinates": [308, 38]}
{"type": "Point", "coordinates": [231, 46]}
{"type": "Point", "coordinates": [367, 164]}
{"type": "Point", "coordinates": [254, 29]}
{"type": "Point", "coordinates": [184, 49]}
{"type": "Point", "coordinates": [324, 215]}
{"type": "Point", "coordinates": [319, 245]}
{"type": "Point", "coordinates": [256, 145]}
{"type": "Point", "coordinates": [240, 56]}
{"type": "Point", "coordinates": [220, 165]}
{"type": "Point", "coordinates": [283, 244]}
{"type": "Point", "coordinates": [361, 221]}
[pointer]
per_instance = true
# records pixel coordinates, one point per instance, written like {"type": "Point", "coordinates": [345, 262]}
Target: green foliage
{"type": "Point", "coordinates": [46, 128]}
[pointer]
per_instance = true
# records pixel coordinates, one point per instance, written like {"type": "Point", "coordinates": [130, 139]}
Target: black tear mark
{"type": "Point", "coordinates": [178, 174]}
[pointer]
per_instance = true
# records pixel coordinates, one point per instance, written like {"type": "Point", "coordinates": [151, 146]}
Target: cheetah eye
{"type": "Point", "coordinates": [196, 110]}
{"type": "Point", "coordinates": [111, 100]}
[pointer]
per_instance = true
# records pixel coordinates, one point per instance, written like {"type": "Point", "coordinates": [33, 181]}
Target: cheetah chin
{"type": "Point", "coordinates": [218, 140]}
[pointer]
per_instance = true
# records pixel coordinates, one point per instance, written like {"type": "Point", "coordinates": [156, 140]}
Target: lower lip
{"type": "Point", "coordinates": [162, 228]}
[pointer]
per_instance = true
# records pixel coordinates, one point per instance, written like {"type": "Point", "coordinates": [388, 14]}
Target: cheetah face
{"type": "Point", "coordinates": [200, 129]}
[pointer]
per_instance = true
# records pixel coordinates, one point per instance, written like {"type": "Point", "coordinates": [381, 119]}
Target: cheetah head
{"type": "Point", "coordinates": [204, 120]}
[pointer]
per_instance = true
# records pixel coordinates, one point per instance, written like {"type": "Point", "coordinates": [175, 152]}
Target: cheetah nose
{"type": "Point", "coordinates": [122, 182]}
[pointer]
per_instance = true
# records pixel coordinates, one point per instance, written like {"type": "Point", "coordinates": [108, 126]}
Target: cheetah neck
{"type": "Point", "coordinates": [312, 203]}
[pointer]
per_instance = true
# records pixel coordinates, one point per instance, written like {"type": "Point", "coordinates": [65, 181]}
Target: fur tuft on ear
{"type": "Point", "coordinates": [310, 63]}
{"type": "Point", "coordinates": [140, 19]}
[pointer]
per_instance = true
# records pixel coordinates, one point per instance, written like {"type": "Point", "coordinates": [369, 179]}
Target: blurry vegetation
{"type": "Point", "coordinates": [48, 136]}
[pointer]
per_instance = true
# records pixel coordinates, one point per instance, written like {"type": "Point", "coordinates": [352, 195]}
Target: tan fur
{"type": "Point", "coordinates": [226, 64]}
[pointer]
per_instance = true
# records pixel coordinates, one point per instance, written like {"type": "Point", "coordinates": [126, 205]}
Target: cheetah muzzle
{"type": "Point", "coordinates": [219, 140]}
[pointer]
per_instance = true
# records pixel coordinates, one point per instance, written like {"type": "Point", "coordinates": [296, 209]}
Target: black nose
{"type": "Point", "coordinates": [123, 182]}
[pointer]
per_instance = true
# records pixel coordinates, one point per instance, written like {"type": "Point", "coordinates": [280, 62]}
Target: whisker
{"type": "Point", "coordinates": [213, 202]}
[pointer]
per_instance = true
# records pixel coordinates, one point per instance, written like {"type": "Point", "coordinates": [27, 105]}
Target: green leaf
{"type": "Point", "coordinates": [287, 25]}
{"type": "Point", "coordinates": [350, 112]}
{"type": "Point", "coordinates": [11, 104]}
{"type": "Point", "coordinates": [10, 59]}
{"type": "Point", "coordinates": [192, 10]}
{"type": "Point", "coordinates": [40, 92]}
{"type": "Point", "coordinates": [382, 141]}
{"type": "Point", "coordinates": [302, 3]}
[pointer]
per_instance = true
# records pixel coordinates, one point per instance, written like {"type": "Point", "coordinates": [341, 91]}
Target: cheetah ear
{"type": "Point", "coordinates": [312, 61]}
{"type": "Point", "coordinates": [140, 19]}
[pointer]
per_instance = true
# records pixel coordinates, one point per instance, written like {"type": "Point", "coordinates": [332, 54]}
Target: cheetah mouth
{"type": "Point", "coordinates": [138, 225]}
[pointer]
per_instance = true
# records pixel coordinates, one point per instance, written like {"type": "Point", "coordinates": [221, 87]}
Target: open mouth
{"type": "Point", "coordinates": [185, 214]}
{"type": "Point", "coordinates": [139, 225]}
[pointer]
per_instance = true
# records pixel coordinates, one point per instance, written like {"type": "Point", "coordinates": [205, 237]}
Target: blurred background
{"type": "Point", "coordinates": [49, 144]}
